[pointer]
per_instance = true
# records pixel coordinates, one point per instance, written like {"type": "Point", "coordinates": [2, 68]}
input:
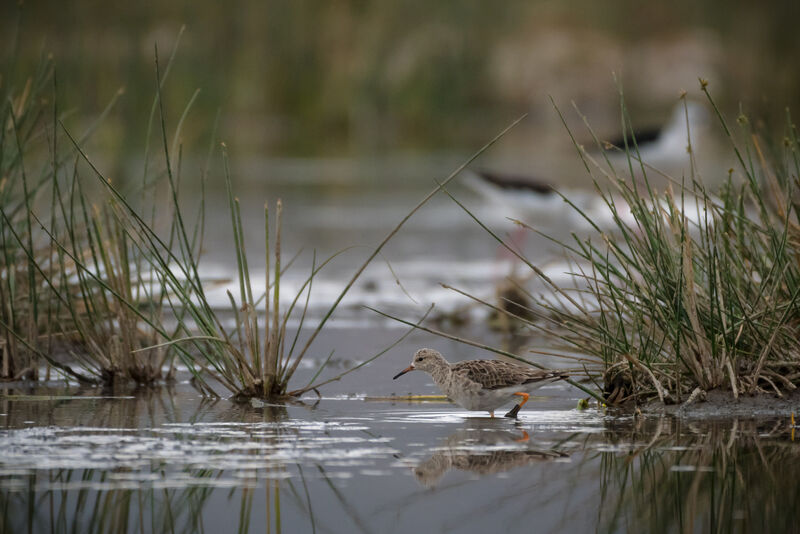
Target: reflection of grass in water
{"type": "Point", "coordinates": [158, 509]}
{"type": "Point", "coordinates": [162, 500]}
{"type": "Point", "coordinates": [88, 509]}
{"type": "Point", "coordinates": [738, 477]}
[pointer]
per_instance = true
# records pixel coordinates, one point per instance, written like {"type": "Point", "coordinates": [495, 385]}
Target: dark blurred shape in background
{"type": "Point", "coordinates": [305, 78]}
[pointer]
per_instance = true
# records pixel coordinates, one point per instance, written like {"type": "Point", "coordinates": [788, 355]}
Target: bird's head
{"type": "Point", "coordinates": [424, 360]}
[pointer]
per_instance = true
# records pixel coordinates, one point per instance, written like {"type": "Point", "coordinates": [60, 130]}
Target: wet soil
{"type": "Point", "coordinates": [719, 404]}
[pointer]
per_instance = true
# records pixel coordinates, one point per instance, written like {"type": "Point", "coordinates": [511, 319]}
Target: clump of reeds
{"type": "Point", "coordinates": [709, 299]}
{"type": "Point", "coordinates": [682, 299]}
{"type": "Point", "coordinates": [74, 285]}
{"type": "Point", "coordinates": [111, 298]}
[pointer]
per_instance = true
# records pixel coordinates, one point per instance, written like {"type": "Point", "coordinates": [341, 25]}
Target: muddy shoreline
{"type": "Point", "coordinates": [720, 404]}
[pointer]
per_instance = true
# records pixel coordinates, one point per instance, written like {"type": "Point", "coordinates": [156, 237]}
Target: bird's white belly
{"type": "Point", "coordinates": [486, 400]}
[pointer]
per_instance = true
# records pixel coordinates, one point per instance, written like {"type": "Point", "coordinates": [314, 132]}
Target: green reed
{"type": "Point", "coordinates": [21, 304]}
{"type": "Point", "coordinates": [30, 162]}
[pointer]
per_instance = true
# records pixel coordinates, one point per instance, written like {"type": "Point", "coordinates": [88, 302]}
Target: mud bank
{"type": "Point", "coordinates": [722, 404]}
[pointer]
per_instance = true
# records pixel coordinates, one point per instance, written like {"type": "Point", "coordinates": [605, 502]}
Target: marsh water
{"type": "Point", "coordinates": [167, 460]}
{"type": "Point", "coordinates": [355, 459]}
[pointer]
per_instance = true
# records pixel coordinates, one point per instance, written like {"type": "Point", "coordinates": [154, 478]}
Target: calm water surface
{"type": "Point", "coordinates": [168, 460]}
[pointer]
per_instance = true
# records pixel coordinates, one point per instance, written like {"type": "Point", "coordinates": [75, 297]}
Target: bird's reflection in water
{"type": "Point", "coordinates": [484, 449]}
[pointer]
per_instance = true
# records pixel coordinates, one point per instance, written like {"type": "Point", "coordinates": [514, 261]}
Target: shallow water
{"type": "Point", "coordinates": [81, 460]}
{"type": "Point", "coordinates": [77, 460]}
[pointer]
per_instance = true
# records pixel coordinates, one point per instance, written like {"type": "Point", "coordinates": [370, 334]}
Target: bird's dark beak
{"type": "Point", "coordinates": [404, 371]}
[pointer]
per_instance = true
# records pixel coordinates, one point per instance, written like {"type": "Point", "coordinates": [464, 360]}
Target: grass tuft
{"type": "Point", "coordinates": [690, 289]}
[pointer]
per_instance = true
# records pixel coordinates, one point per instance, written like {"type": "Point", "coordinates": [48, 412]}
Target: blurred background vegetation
{"type": "Point", "coordinates": [351, 77]}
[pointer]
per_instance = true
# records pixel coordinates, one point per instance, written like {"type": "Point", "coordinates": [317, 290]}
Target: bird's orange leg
{"type": "Point", "coordinates": [524, 396]}
{"type": "Point", "coordinates": [491, 412]}
{"type": "Point", "coordinates": [515, 410]}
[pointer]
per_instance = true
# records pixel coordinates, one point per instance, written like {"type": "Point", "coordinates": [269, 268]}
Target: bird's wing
{"type": "Point", "coordinates": [513, 181]}
{"type": "Point", "coordinates": [497, 374]}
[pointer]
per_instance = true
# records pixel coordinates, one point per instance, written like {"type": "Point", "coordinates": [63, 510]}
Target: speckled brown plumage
{"type": "Point", "coordinates": [481, 384]}
{"type": "Point", "coordinates": [497, 374]}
